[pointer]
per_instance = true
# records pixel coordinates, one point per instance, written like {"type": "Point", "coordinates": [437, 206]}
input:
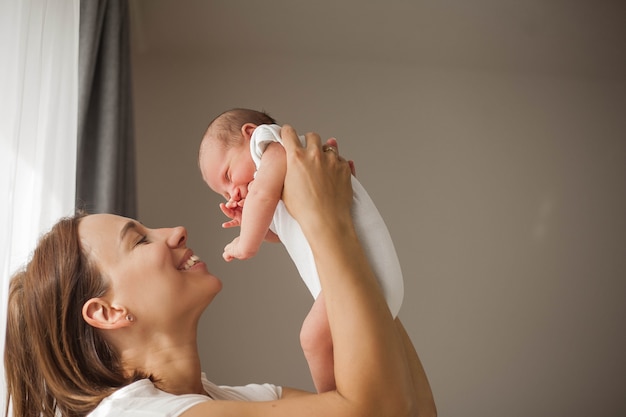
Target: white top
{"type": "Point", "coordinates": [142, 398]}
{"type": "Point", "coordinates": [369, 224]}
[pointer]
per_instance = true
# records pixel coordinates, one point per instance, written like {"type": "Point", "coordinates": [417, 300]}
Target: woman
{"type": "Point", "coordinates": [93, 327]}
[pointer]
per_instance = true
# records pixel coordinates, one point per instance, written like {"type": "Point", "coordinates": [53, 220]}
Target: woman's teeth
{"type": "Point", "coordinates": [193, 259]}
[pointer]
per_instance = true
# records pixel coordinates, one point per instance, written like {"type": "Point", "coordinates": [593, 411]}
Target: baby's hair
{"type": "Point", "coordinates": [227, 126]}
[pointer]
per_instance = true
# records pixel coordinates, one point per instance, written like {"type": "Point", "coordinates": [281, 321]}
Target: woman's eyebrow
{"type": "Point", "coordinates": [128, 226]}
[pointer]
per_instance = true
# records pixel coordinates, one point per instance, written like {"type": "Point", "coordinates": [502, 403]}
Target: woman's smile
{"type": "Point", "coordinates": [193, 259]}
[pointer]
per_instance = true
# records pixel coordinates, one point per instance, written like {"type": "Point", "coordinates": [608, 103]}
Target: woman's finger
{"type": "Point", "coordinates": [352, 168]}
{"type": "Point", "coordinates": [332, 142]}
{"type": "Point", "coordinates": [290, 138]}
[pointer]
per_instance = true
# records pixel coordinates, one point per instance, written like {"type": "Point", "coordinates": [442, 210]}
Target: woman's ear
{"type": "Point", "coordinates": [98, 313]}
{"type": "Point", "coordinates": [247, 129]}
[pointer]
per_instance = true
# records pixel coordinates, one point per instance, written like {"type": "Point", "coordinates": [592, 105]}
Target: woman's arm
{"type": "Point", "coordinates": [371, 371]}
{"type": "Point", "coordinates": [370, 366]}
{"type": "Point", "coordinates": [424, 400]}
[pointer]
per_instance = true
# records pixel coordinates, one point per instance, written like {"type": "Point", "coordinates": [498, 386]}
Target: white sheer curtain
{"type": "Point", "coordinates": [38, 125]}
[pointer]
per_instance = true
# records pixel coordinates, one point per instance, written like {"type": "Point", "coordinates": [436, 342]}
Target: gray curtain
{"type": "Point", "coordinates": [105, 180]}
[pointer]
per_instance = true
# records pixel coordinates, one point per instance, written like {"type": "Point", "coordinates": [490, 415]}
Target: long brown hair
{"type": "Point", "coordinates": [54, 360]}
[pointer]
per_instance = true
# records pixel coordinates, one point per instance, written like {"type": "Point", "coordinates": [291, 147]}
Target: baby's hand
{"type": "Point", "coordinates": [232, 203]}
{"type": "Point", "coordinates": [234, 251]}
{"type": "Point", "coordinates": [233, 213]}
{"type": "Point", "coordinates": [228, 254]}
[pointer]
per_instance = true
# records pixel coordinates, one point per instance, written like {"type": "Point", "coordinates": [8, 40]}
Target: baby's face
{"type": "Point", "coordinates": [228, 172]}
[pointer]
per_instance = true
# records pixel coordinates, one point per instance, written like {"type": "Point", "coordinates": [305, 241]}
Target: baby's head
{"type": "Point", "coordinates": [224, 156]}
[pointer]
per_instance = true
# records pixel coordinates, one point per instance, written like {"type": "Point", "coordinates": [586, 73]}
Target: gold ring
{"type": "Point", "coordinates": [327, 148]}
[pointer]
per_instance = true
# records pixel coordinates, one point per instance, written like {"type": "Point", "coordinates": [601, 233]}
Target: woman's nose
{"type": "Point", "coordinates": [177, 237]}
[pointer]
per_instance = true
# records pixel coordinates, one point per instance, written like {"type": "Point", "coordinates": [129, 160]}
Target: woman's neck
{"type": "Point", "coordinates": [175, 368]}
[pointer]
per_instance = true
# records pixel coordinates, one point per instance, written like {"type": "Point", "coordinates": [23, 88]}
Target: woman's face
{"type": "Point", "coordinates": [151, 272]}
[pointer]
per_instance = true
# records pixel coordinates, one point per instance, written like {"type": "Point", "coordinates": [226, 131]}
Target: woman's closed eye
{"type": "Point", "coordinates": [142, 241]}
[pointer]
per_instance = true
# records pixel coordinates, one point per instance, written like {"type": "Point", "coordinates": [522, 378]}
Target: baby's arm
{"type": "Point", "coordinates": [235, 221]}
{"type": "Point", "coordinates": [260, 203]}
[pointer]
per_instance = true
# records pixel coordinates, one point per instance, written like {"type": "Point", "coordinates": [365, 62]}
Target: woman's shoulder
{"type": "Point", "coordinates": [250, 392]}
{"type": "Point", "coordinates": [143, 396]}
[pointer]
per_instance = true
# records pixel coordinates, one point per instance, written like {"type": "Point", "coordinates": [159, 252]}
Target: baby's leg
{"type": "Point", "coordinates": [317, 345]}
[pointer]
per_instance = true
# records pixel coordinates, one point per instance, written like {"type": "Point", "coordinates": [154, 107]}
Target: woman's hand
{"type": "Point", "coordinates": [317, 186]}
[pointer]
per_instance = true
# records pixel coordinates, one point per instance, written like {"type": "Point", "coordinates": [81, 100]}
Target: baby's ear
{"type": "Point", "coordinates": [247, 129]}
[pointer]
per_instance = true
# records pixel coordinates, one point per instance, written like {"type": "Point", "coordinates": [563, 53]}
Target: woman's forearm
{"type": "Point", "coordinates": [369, 354]}
{"type": "Point", "coordinates": [371, 372]}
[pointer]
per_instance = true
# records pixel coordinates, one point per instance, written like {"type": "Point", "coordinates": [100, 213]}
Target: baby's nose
{"type": "Point", "coordinates": [234, 197]}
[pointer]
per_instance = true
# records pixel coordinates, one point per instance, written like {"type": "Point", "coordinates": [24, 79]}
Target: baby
{"type": "Point", "coordinates": [241, 158]}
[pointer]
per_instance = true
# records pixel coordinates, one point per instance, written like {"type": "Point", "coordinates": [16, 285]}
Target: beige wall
{"type": "Point", "coordinates": [504, 193]}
